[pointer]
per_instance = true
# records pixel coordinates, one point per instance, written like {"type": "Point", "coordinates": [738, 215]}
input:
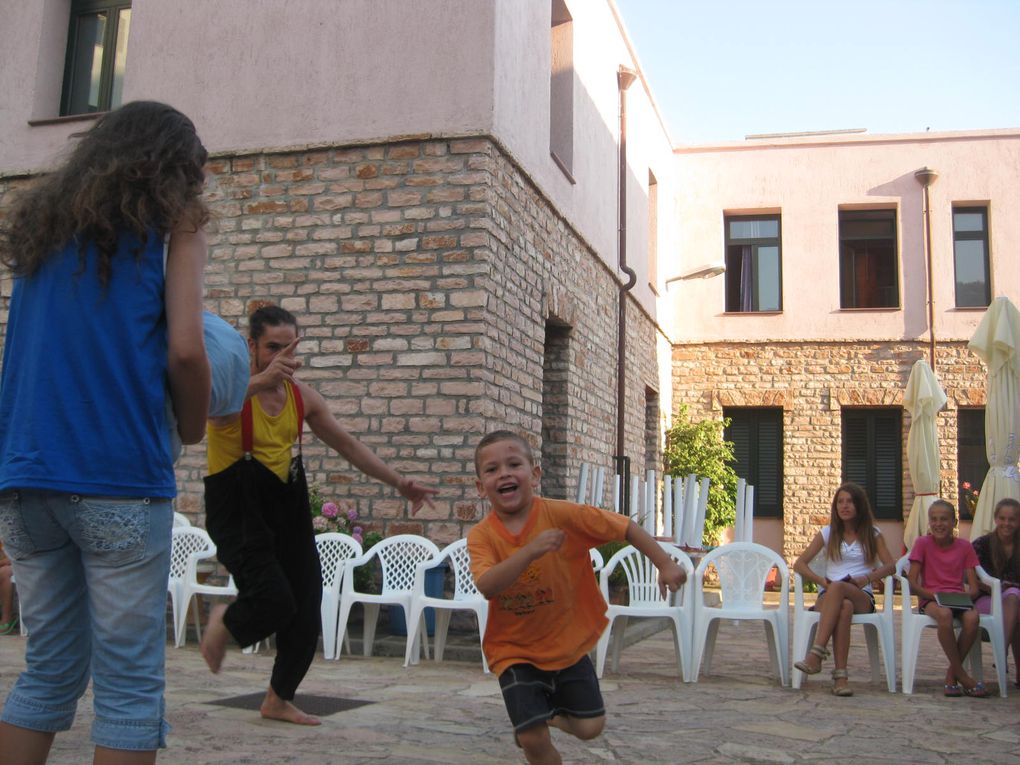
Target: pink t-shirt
{"type": "Point", "coordinates": [942, 568]}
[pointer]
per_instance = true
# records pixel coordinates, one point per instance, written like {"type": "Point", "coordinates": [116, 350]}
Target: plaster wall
{"type": "Point", "coordinates": [808, 182]}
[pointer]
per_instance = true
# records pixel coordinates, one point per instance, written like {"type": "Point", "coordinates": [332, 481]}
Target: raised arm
{"type": "Point", "coordinates": [503, 574]}
{"type": "Point", "coordinates": [330, 432]}
{"type": "Point", "coordinates": [187, 365]}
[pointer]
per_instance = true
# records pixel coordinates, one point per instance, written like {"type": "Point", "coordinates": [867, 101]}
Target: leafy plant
{"type": "Point", "coordinates": [330, 516]}
{"type": "Point", "coordinates": [968, 499]}
{"type": "Point", "coordinates": [699, 448]}
{"type": "Point", "coordinates": [608, 550]}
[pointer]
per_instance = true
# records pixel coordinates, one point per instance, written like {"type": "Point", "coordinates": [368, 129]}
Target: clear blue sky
{"type": "Point", "coordinates": [723, 69]}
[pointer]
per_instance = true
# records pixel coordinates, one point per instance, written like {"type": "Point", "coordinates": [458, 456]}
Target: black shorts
{"type": "Point", "coordinates": [534, 695]}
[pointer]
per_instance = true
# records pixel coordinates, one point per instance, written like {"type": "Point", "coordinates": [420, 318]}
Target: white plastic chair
{"type": "Point", "coordinates": [646, 602]}
{"type": "Point", "coordinates": [399, 557]}
{"type": "Point", "coordinates": [914, 623]}
{"type": "Point", "coordinates": [466, 597]}
{"type": "Point", "coordinates": [189, 545]}
{"type": "Point", "coordinates": [334, 550]}
{"type": "Point", "coordinates": [597, 561]}
{"type": "Point", "coordinates": [878, 632]}
{"type": "Point", "coordinates": [180, 519]}
{"type": "Point", "coordinates": [743, 568]}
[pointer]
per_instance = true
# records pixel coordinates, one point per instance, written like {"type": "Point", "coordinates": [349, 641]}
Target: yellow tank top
{"type": "Point", "coordinates": [272, 438]}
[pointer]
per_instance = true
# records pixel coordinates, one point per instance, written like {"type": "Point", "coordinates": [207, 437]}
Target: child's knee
{"type": "Point", "coordinates": [534, 740]}
{"type": "Point", "coordinates": [588, 728]}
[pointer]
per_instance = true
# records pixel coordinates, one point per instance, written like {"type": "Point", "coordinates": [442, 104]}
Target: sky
{"type": "Point", "coordinates": [723, 69]}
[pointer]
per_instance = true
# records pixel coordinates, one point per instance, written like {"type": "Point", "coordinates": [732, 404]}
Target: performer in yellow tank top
{"type": "Point", "coordinates": [257, 511]}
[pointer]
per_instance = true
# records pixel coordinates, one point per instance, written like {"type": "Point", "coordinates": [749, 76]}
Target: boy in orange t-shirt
{"type": "Point", "coordinates": [530, 558]}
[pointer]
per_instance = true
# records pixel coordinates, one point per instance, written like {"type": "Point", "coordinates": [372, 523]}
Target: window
{"type": "Point", "coordinates": [971, 455]}
{"type": "Point", "coordinates": [757, 436]}
{"type": "Point", "coordinates": [867, 259]}
{"type": "Point", "coordinates": [873, 456]}
{"type": "Point", "coordinates": [753, 264]}
{"type": "Point", "coordinates": [96, 49]}
{"type": "Point", "coordinates": [555, 409]}
{"type": "Point", "coordinates": [970, 256]}
{"type": "Point", "coordinates": [653, 232]}
{"type": "Point", "coordinates": [561, 89]}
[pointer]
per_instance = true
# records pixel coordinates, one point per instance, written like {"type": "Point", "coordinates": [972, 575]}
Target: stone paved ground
{"type": "Point", "coordinates": [452, 713]}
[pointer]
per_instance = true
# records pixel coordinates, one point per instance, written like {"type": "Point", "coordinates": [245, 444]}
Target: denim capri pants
{"type": "Point", "coordinates": [92, 575]}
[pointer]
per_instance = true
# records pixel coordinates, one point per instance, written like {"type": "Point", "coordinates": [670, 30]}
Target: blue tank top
{"type": "Point", "coordinates": [84, 380]}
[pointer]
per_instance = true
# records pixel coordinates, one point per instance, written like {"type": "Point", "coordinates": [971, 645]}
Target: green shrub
{"type": "Point", "coordinates": [699, 448]}
{"type": "Point", "coordinates": [607, 551]}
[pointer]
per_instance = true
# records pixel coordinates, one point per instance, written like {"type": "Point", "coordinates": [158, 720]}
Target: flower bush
{"type": "Point", "coordinates": [968, 498]}
{"type": "Point", "coordinates": [329, 516]}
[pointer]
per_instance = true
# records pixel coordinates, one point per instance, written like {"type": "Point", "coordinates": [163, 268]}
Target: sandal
{"type": "Point", "coordinates": [815, 650]}
{"type": "Point", "coordinates": [978, 691]}
{"type": "Point", "coordinates": [841, 690]}
{"type": "Point", "coordinates": [953, 690]}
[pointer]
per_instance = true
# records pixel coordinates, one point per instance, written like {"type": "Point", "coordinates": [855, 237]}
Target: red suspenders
{"type": "Point", "coordinates": [247, 437]}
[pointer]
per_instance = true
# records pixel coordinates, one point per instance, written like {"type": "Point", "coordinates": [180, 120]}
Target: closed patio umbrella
{"type": "Point", "coordinates": [923, 399]}
{"type": "Point", "coordinates": [997, 343]}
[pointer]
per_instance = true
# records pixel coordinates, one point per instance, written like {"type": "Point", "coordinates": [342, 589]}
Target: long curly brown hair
{"type": "Point", "coordinates": [139, 168]}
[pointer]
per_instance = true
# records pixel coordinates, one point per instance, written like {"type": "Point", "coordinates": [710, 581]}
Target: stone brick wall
{"type": "Point", "coordinates": [423, 274]}
{"type": "Point", "coordinates": [812, 382]}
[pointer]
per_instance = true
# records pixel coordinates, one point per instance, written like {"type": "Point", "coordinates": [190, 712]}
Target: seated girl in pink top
{"type": "Point", "coordinates": [941, 562]}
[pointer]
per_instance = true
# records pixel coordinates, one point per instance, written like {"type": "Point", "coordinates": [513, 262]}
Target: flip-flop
{"type": "Point", "coordinates": [978, 691]}
{"type": "Point", "coordinates": [953, 690]}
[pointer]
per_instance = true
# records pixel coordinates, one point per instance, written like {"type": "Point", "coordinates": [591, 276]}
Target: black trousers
{"type": "Point", "coordinates": [263, 532]}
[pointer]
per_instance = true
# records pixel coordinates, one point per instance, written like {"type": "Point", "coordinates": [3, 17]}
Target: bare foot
{"type": "Point", "coordinates": [214, 642]}
{"type": "Point", "coordinates": [275, 708]}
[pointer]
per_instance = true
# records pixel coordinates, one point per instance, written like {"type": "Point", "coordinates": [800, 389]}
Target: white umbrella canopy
{"type": "Point", "coordinates": [924, 398]}
{"type": "Point", "coordinates": [997, 343]}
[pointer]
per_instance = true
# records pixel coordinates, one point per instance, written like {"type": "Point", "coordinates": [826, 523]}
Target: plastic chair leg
{"type": "Point", "coordinates": [371, 618]}
{"type": "Point", "coordinates": [414, 627]}
{"type": "Point", "coordinates": [442, 628]}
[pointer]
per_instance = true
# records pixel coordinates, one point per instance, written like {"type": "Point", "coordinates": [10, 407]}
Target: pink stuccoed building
{"type": "Point", "coordinates": [458, 196]}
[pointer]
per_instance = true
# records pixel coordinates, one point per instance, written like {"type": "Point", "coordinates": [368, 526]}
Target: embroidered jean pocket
{"type": "Point", "coordinates": [113, 528]}
{"type": "Point", "coordinates": [17, 542]}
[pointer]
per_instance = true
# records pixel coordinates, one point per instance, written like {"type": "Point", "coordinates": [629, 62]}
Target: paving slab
{"type": "Point", "coordinates": [451, 712]}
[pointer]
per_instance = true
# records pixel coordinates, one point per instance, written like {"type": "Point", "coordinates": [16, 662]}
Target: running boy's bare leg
{"type": "Point", "coordinates": [538, 746]}
{"type": "Point", "coordinates": [584, 728]}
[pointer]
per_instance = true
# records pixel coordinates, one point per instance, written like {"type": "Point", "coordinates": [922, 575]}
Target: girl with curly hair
{"type": "Point", "coordinates": [105, 324]}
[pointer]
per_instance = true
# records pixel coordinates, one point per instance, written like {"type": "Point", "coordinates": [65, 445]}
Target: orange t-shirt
{"type": "Point", "coordinates": [554, 613]}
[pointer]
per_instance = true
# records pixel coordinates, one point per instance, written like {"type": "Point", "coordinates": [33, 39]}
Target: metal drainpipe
{"type": "Point", "coordinates": [624, 78]}
{"type": "Point", "coordinates": [926, 177]}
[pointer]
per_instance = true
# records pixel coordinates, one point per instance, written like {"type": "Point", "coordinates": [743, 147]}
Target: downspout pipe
{"type": "Point", "coordinates": [624, 78]}
{"type": "Point", "coordinates": [926, 177]}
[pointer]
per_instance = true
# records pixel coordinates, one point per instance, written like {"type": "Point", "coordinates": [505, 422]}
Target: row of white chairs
{"type": "Point", "coordinates": [743, 569]}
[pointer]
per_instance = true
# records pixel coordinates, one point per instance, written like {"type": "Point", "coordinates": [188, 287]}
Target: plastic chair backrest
{"type": "Point", "coordinates": [399, 557]}
{"type": "Point", "coordinates": [597, 561]}
{"type": "Point", "coordinates": [642, 576]}
{"type": "Point", "coordinates": [180, 519]}
{"type": "Point", "coordinates": [743, 568]}
{"type": "Point", "coordinates": [186, 541]}
{"type": "Point", "coordinates": [463, 582]}
{"type": "Point", "coordinates": [334, 548]}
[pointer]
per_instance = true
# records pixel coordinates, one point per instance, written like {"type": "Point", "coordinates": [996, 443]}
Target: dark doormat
{"type": "Point", "coordinates": [320, 706]}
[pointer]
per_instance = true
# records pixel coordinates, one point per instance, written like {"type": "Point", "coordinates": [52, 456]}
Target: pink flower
{"type": "Point", "coordinates": [352, 514]}
{"type": "Point", "coordinates": [319, 523]}
{"type": "Point", "coordinates": [965, 484]}
{"type": "Point", "coordinates": [357, 531]}
{"type": "Point", "coordinates": [330, 510]}
{"type": "Point", "coordinates": [357, 538]}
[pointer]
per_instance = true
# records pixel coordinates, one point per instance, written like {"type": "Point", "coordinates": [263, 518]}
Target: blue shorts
{"type": "Point", "coordinates": [534, 695]}
{"type": "Point", "coordinates": [92, 576]}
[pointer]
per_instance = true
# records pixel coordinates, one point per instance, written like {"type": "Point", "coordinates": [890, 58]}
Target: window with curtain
{"type": "Point", "coordinates": [561, 87]}
{"type": "Point", "coordinates": [868, 264]}
{"type": "Point", "coordinates": [753, 263]}
{"type": "Point", "coordinates": [971, 457]}
{"type": "Point", "coordinates": [757, 437]}
{"type": "Point", "coordinates": [873, 457]}
{"type": "Point", "coordinates": [97, 41]}
{"type": "Point", "coordinates": [970, 257]}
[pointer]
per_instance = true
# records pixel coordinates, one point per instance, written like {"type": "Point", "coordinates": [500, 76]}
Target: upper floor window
{"type": "Point", "coordinates": [561, 88]}
{"type": "Point", "coordinates": [753, 263]}
{"type": "Point", "coordinates": [867, 259]}
{"type": "Point", "coordinates": [96, 49]}
{"type": "Point", "coordinates": [873, 457]}
{"type": "Point", "coordinates": [970, 256]}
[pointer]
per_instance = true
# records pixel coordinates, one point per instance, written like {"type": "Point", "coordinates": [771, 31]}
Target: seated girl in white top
{"type": "Point", "coordinates": [856, 555]}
